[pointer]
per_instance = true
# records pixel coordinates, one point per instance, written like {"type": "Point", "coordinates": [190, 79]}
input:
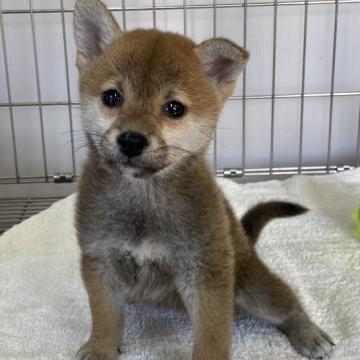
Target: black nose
{"type": "Point", "coordinates": [132, 143]}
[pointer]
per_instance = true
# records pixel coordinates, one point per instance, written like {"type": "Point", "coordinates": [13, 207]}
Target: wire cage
{"type": "Point", "coordinates": [294, 110]}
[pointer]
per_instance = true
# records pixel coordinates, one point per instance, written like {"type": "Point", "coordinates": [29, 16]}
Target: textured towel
{"type": "Point", "coordinates": [44, 312]}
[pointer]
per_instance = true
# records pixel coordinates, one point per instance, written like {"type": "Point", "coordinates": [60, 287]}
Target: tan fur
{"type": "Point", "coordinates": [107, 317]}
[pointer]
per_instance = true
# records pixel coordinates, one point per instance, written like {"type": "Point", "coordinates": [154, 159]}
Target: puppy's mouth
{"type": "Point", "coordinates": [143, 165]}
{"type": "Point", "coordinates": [140, 168]}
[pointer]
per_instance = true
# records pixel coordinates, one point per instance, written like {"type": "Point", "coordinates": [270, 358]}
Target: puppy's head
{"type": "Point", "coordinates": [150, 99]}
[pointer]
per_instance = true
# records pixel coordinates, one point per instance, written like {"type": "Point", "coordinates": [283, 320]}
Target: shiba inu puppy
{"type": "Point", "coordinates": [152, 224]}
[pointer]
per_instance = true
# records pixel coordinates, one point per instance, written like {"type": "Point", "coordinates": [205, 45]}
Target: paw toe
{"type": "Point", "coordinates": [312, 342]}
{"type": "Point", "coordinates": [87, 353]}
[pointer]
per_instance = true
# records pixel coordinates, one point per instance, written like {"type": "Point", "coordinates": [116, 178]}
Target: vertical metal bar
{"type": "Point", "coordinates": [154, 12]}
{"type": "Point", "coordinates": [11, 110]}
{"type": "Point", "coordinates": [273, 88]}
{"type": "Point", "coordinates": [215, 162]}
{"type": "Point", "coordinates": [331, 111]}
{"type": "Point", "coordinates": [185, 17]}
{"type": "Point", "coordinates": [214, 18]}
{"type": "Point", "coordinates": [68, 87]}
{"type": "Point", "coordinates": [38, 88]}
{"type": "Point", "coordinates": [301, 135]}
{"type": "Point", "coordinates": [124, 14]}
{"type": "Point", "coordinates": [244, 95]}
{"type": "Point", "coordinates": [357, 158]}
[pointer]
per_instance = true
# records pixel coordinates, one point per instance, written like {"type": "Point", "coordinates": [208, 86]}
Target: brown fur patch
{"type": "Point", "coordinates": [107, 316]}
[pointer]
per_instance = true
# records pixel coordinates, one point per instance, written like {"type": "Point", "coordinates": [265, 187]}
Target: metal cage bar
{"type": "Point", "coordinates": [357, 155]}
{"type": "Point", "coordinates": [286, 171]}
{"type": "Point", "coordinates": [238, 98]}
{"type": "Point", "coordinates": [68, 92]}
{"type": "Point", "coordinates": [273, 87]}
{"type": "Point", "coordinates": [215, 156]}
{"type": "Point", "coordinates": [199, 6]}
{"type": "Point", "coordinates": [123, 8]}
{"type": "Point", "coordinates": [303, 73]}
{"type": "Point", "coordinates": [243, 160]}
{"type": "Point", "coordinates": [331, 110]}
{"type": "Point", "coordinates": [14, 211]}
{"type": "Point", "coordinates": [8, 89]}
{"type": "Point", "coordinates": [38, 88]}
{"type": "Point", "coordinates": [185, 7]}
{"type": "Point", "coordinates": [154, 13]}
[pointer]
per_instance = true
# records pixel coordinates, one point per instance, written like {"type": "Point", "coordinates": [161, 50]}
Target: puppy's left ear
{"type": "Point", "coordinates": [94, 30]}
{"type": "Point", "coordinates": [222, 61]}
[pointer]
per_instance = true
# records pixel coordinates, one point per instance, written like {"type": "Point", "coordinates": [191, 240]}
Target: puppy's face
{"type": "Point", "coordinates": [150, 99]}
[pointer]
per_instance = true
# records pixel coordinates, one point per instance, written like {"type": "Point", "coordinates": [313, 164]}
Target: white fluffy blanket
{"type": "Point", "coordinates": [44, 312]}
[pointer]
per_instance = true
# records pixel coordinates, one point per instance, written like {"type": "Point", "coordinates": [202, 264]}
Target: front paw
{"type": "Point", "coordinates": [312, 342]}
{"type": "Point", "coordinates": [91, 351]}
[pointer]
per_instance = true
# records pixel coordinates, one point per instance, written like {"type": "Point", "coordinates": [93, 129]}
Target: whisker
{"type": "Point", "coordinates": [81, 147]}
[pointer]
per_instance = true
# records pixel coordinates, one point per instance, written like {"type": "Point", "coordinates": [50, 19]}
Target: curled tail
{"type": "Point", "coordinates": [257, 217]}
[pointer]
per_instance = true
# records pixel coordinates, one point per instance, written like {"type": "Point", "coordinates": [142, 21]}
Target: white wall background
{"type": "Point", "coordinates": [53, 86]}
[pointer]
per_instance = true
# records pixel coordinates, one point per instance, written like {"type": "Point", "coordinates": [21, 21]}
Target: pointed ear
{"type": "Point", "coordinates": [94, 29]}
{"type": "Point", "coordinates": [222, 61]}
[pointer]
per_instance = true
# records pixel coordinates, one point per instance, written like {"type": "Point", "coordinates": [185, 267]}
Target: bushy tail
{"type": "Point", "coordinates": [257, 217]}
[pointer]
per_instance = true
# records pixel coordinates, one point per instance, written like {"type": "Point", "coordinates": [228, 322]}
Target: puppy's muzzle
{"type": "Point", "coordinates": [132, 143]}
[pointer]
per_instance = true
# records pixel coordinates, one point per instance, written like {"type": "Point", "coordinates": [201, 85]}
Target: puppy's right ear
{"type": "Point", "coordinates": [94, 29]}
{"type": "Point", "coordinates": [223, 61]}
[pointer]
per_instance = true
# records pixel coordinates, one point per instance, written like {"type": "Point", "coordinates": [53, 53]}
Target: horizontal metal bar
{"type": "Point", "coordinates": [23, 208]}
{"type": "Point", "coordinates": [193, 6]}
{"type": "Point", "coordinates": [15, 210]}
{"type": "Point", "coordinates": [29, 207]}
{"type": "Point", "coordinates": [29, 200]}
{"type": "Point", "coordinates": [21, 212]}
{"type": "Point", "coordinates": [12, 222]}
{"type": "Point", "coordinates": [249, 97]}
{"type": "Point", "coordinates": [306, 170]}
{"type": "Point", "coordinates": [8, 225]}
{"type": "Point", "coordinates": [315, 170]}
{"type": "Point", "coordinates": [11, 217]}
{"type": "Point", "coordinates": [44, 103]}
{"type": "Point", "coordinates": [294, 96]}
{"type": "Point", "coordinates": [16, 207]}
{"type": "Point", "coordinates": [290, 172]}
{"type": "Point", "coordinates": [30, 180]}
{"type": "Point", "coordinates": [25, 178]}
{"type": "Point", "coordinates": [37, 203]}
{"type": "Point", "coordinates": [8, 218]}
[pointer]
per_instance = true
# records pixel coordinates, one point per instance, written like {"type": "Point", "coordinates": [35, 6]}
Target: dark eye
{"type": "Point", "coordinates": [174, 109]}
{"type": "Point", "coordinates": [112, 98]}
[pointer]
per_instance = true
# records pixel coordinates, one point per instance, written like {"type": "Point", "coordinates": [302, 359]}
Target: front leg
{"type": "Point", "coordinates": [210, 303]}
{"type": "Point", "coordinates": [106, 305]}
